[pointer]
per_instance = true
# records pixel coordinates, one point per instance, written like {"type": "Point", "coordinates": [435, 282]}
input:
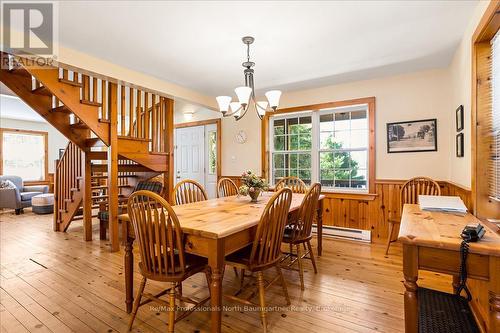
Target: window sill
{"type": "Point", "coordinates": [333, 194]}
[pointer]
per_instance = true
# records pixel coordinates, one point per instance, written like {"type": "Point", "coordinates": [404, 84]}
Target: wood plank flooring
{"type": "Point", "coordinates": [56, 282]}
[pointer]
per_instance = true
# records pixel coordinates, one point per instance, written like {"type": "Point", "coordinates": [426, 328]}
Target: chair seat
{"type": "Point", "coordinates": [25, 196]}
{"type": "Point", "coordinates": [288, 237]}
{"type": "Point", "coordinates": [194, 264]}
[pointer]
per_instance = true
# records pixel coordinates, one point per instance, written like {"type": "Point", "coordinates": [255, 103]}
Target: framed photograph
{"type": "Point", "coordinates": [460, 144]}
{"type": "Point", "coordinates": [412, 136]}
{"type": "Point", "coordinates": [459, 115]}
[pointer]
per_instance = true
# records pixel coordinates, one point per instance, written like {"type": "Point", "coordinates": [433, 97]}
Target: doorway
{"type": "Point", "coordinates": [197, 153]}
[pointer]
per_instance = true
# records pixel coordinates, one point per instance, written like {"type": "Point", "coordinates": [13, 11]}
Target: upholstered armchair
{"type": "Point", "coordinates": [18, 196]}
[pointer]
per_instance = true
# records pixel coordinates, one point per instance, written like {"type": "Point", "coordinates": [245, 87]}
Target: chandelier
{"type": "Point", "coordinates": [246, 93]}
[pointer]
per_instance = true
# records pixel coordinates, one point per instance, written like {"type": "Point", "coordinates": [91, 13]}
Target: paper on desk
{"type": "Point", "coordinates": [442, 203]}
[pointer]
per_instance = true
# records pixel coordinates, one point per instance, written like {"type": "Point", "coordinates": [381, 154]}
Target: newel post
{"type": "Point", "coordinates": [113, 166]}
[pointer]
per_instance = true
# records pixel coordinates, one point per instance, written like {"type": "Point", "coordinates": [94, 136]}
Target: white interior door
{"type": "Point", "coordinates": [211, 160]}
{"type": "Point", "coordinates": [189, 156]}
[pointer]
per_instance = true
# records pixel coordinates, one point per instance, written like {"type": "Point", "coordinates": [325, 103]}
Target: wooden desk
{"type": "Point", "coordinates": [431, 241]}
{"type": "Point", "coordinates": [214, 229]}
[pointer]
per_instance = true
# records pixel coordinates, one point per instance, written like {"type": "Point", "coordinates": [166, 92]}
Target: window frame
{"type": "Point", "coordinates": [27, 132]}
{"type": "Point", "coordinates": [316, 110]}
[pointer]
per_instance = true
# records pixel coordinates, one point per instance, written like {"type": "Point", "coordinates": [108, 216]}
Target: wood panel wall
{"type": "Point", "coordinates": [371, 211]}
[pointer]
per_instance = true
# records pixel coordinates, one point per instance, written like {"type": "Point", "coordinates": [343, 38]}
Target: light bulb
{"type": "Point", "coordinates": [223, 102]}
{"type": "Point", "coordinates": [243, 94]}
{"type": "Point", "coordinates": [273, 96]}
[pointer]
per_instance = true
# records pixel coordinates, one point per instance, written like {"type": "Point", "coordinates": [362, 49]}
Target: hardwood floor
{"type": "Point", "coordinates": [56, 282]}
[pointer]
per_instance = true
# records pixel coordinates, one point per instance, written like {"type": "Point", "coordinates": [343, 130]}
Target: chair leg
{"type": "Point", "coordinates": [311, 254]}
{"type": "Point", "coordinates": [262, 300]}
{"type": "Point", "coordinates": [301, 269]}
{"type": "Point", "coordinates": [171, 309]}
{"type": "Point", "coordinates": [389, 237]}
{"type": "Point", "coordinates": [137, 301]}
{"type": "Point", "coordinates": [208, 275]}
{"type": "Point", "coordinates": [283, 284]}
{"type": "Point", "coordinates": [242, 278]}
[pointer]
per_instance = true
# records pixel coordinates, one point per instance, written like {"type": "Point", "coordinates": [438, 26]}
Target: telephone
{"type": "Point", "coordinates": [473, 232]}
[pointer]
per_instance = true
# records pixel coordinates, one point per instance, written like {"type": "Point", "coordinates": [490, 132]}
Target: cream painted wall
{"type": "Point", "coordinates": [56, 140]}
{"type": "Point", "coordinates": [460, 80]}
{"type": "Point", "coordinates": [412, 96]}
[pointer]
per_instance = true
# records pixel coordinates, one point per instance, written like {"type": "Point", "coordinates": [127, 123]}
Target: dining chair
{"type": "Point", "coordinates": [294, 183]}
{"type": "Point", "coordinates": [226, 188]}
{"type": "Point", "coordinates": [161, 248]}
{"type": "Point", "coordinates": [188, 191]}
{"type": "Point", "coordinates": [265, 251]}
{"type": "Point", "coordinates": [298, 233]}
{"type": "Point", "coordinates": [409, 195]}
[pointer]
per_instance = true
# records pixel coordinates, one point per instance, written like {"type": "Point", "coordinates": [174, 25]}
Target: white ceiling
{"type": "Point", "coordinates": [301, 44]}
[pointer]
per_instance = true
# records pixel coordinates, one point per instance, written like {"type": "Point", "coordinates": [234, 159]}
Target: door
{"type": "Point", "coordinates": [189, 155]}
{"type": "Point", "coordinates": [211, 143]}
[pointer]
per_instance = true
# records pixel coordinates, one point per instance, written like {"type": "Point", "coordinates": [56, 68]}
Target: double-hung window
{"type": "Point", "coordinates": [327, 145]}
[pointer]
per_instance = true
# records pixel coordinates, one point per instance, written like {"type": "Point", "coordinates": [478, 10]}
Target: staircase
{"type": "Point", "coordinates": [117, 132]}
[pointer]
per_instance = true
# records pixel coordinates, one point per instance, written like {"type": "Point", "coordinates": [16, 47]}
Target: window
{"type": "Point", "coordinates": [212, 152]}
{"type": "Point", "coordinates": [329, 145]}
{"type": "Point", "coordinates": [494, 174]}
{"type": "Point", "coordinates": [24, 154]}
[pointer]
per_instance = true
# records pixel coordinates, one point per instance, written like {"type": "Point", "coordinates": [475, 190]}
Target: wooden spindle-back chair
{"type": "Point", "coordinates": [265, 251]}
{"type": "Point", "coordinates": [226, 188]}
{"type": "Point", "coordinates": [161, 248]}
{"type": "Point", "coordinates": [299, 232]}
{"type": "Point", "coordinates": [188, 191]}
{"type": "Point", "coordinates": [294, 183]}
{"type": "Point", "coordinates": [409, 195]}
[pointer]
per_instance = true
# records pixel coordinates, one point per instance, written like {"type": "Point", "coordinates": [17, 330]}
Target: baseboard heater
{"type": "Point", "coordinates": [347, 233]}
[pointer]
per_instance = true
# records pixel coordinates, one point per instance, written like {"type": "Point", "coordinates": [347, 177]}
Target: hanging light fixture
{"type": "Point", "coordinates": [246, 94]}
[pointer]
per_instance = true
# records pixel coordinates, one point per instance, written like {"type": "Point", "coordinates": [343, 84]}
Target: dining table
{"type": "Point", "coordinates": [214, 229]}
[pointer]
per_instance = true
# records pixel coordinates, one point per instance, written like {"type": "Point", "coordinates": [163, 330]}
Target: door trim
{"type": "Point", "coordinates": [219, 137]}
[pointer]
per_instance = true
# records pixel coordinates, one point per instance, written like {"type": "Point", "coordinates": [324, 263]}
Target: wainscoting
{"type": "Point", "coordinates": [371, 211]}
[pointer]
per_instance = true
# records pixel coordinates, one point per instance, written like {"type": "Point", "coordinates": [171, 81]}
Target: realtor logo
{"type": "Point", "coordinates": [28, 28]}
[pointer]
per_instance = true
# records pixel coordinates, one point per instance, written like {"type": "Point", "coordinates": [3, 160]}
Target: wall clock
{"type": "Point", "coordinates": [241, 137]}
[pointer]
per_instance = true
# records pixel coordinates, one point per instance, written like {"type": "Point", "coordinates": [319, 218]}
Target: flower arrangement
{"type": "Point", "coordinates": [252, 185]}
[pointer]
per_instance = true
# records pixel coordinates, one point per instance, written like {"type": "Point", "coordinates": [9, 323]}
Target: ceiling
{"type": "Point", "coordinates": [301, 44]}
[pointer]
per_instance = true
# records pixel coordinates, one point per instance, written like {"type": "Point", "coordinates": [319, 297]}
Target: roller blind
{"type": "Point", "coordinates": [494, 167]}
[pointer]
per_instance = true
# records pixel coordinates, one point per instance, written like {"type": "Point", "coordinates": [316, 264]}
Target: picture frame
{"type": "Point", "coordinates": [459, 118]}
{"type": "Point", "coordinates": [459, 144]}
{"type": "Point", "coordinates": [412, 136]}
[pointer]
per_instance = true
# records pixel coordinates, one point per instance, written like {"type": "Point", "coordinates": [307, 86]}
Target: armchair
{"type": "Point", "coordinates": [19, 196]}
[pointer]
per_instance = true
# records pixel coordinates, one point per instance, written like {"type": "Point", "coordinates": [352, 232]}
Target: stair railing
{"type": "Point", "coordinates": [67, 179]}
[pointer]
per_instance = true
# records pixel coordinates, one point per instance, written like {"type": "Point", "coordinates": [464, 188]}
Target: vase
{"type": "Point", "coordinates": [254, 195]}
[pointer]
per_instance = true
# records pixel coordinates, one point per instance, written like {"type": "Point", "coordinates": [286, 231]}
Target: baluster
{"type": "Point", "coordinates": [154, 123]}
{"type": "Point", "coordinates": [122, 109]}
{"type": "Point", "coordinates": [85, 87]}
{"type": "Point", "coordinates": [131, 112]}
{"type": "Point", "coordinates": [146, 115]}
{"type": "Point", "coordinates": [138, 119]}
{"type": "Point", "coordinates": [104, 101]}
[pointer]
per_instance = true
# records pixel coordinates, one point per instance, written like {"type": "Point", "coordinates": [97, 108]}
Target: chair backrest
{"type": "Point", "coordinates": [16, 180]}
{"type": "Point", "coordinates": [148, 185]}
{"type": "Point", "coordinates": [158, 233]}
{"type": "Point", "coordinates": [302, 227]}
{"type": "Point", "coordinates": [266, 249]}
{"type": "Point", "coordinates": [188, 191]}
{"type": "Point", "coordinates": [226, 188]}
{"type": "Point", "coordinates": [293, 183]}
{"type": "Point", "coordinates": [416, 186]}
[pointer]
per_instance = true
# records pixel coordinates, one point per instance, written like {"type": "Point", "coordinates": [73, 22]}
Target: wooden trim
{"type": "Point", "coordinates": [198, 123]}
{"type": "Point", "coordinates": [46, 149]}
{"type": "Point", "coordinates": [370, 101]}
{"type": "Point", "coordinates": [216, 121]}
{"type": "Point", "coordinates": [486, 29]}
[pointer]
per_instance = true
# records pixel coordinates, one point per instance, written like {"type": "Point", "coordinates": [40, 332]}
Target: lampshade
{"type": "Point", "coordinates": [261, 108]}
{"type": "Point", "coordinates": [234, 107]}
{"type": "Point", "coordinates": [243, 94]}
{"type": "Point", "coordinates": [273, 96]}
{"type": "Point", "coordinates": [223, 102]}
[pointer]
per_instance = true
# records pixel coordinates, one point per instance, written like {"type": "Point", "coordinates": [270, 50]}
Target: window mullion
{"type": "Point", "coordinates": [315, 148]}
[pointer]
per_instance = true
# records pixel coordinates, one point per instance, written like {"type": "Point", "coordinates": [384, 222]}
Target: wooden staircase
{"type": "Point", "coordinates": [117, 131]}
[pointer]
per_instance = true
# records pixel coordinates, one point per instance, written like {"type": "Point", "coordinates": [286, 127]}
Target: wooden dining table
{"type": "Point", "coordinates": [213, 229]}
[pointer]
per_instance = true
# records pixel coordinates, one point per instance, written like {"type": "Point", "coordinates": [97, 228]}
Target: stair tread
{"type": "Point", "coordinates": [119, 176]}
{"type": "Point", "coordinates": [72, 83]}
{"type": "Point", "coordinates": [106, 121]}
{"type": "Point", "coordinates": [78, 125]}
{"type": "Point", "coordinates": [106, 186]}
{"type": "Point", "coordinates": [62, 109]}
{"type": "Point", "coordinates": [91, 103]}
{"type": "Point", "coordinates": [42, 90]}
